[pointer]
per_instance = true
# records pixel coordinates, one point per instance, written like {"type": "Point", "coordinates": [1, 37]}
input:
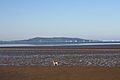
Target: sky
{"type": "Point", "coordinates": [89, 19]}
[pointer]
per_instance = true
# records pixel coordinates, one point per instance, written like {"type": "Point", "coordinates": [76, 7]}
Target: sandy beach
{"type": "Point", "coordinates": [28, 72]}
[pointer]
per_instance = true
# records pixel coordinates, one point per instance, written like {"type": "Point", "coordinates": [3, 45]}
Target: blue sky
{"type": "Point", "coordinates": [91, 19]}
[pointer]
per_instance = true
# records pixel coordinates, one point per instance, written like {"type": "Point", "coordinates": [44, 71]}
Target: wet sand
{"type": "Point", "coordinates": [85, 49]}
{"type": "Point", "coordinates": [59, 73]}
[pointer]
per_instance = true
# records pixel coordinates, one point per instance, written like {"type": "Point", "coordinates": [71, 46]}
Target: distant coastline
{"type": "Point", "coordinates": [57, 41]}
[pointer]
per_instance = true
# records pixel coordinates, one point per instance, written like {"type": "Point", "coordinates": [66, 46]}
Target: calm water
{"type": "Point", "coordinates": [9, 45]}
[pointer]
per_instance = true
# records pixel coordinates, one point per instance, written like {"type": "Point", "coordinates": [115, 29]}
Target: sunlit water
{"type": "Point", "coordinates": [13, 45]}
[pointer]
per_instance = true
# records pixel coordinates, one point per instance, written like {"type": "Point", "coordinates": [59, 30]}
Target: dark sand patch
{"type": "Point", "coordinates": [59, 73]}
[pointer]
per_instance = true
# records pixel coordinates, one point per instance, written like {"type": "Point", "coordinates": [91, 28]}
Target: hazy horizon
{"type": "Point", "coordinates": [87, 19]}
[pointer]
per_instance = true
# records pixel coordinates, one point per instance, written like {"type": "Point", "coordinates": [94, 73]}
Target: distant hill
{"type": "Point", "coordinates": [54, 40]}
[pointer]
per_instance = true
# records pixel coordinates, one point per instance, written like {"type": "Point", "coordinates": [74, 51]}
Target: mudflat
{"type": "Point", "coordinates": [59, 73]}
{"type": "Point", "coordinates": [85, 49]}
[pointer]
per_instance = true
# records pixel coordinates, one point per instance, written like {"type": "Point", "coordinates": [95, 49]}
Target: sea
{"type": "Point", "coordinates": [18, 45]}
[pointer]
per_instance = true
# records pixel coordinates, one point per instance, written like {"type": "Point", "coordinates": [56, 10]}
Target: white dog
{"type": "Point", "coordinates": [55, 63]}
